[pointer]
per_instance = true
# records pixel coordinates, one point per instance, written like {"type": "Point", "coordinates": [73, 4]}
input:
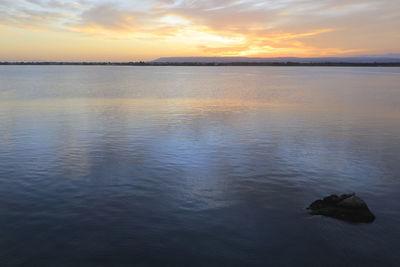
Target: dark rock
{"type": "Point", "coordinates": [347, 207]}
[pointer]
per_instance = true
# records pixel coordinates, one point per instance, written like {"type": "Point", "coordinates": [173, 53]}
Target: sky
{"type": "Point", "coordinates": [132, 30]}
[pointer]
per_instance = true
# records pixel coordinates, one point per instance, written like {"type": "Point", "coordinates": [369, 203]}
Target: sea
{"type": "Point", "coordinates": [104, 166]}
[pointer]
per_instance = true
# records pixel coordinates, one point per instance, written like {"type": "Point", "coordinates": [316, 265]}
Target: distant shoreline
{"type": "Point", "coordinates": [267, 64]}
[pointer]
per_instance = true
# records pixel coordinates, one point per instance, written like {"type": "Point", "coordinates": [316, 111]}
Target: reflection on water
{"type": "Point", "coordinates": [199, 166]}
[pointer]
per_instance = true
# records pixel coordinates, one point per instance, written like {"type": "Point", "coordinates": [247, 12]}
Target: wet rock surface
{"type": "Point", "coordinates": [347, 207]}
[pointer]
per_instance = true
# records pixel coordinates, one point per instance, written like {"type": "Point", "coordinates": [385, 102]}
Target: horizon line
{"type": "Point", "coordinates": [392, 56]}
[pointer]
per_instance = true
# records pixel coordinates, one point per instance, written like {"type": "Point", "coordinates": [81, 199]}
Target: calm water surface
{"type": "Point", "coordinates": [196, 166]}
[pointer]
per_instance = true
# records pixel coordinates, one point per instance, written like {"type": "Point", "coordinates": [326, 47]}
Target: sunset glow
{"type": "Point", "coordinates": [125, 30]}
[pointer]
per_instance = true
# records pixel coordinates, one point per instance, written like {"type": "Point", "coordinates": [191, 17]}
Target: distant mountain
{"type": "Point", "coordinates": [389, 58]}
{"type": "Point", "coordinates": [391, 55]}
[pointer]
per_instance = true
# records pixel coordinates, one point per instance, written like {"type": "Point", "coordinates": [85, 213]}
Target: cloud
{"type": "Point", "coordinates": [215, 27]}
{"type": "Point", "coordinates": [4, 2]}
{"type": "Point", "coordinates": [36, 14]}
{"type": "Point", "coordinates": [30, 19]}
{"type": "Point", "coordinates": [108, 17]}
{"type": "Point", "coordinates": [72, 5]}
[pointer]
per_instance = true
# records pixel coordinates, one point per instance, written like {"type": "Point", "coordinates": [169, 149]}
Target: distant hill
{"type": "Point", "coordinates": [389, 58]}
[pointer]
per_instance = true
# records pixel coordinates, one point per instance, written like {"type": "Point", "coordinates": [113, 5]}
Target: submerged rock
{"type": "Point", "coordinates": [348, 207]}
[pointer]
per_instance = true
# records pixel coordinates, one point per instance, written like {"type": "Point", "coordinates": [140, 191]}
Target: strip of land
{"type": "Point", "coordinates": [389, 60]}
{"type": "Point", "coordinates": [283, 64]}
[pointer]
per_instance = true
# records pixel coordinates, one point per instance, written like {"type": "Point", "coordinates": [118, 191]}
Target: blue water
{"type": "Point", "coordinates": [196, 166]}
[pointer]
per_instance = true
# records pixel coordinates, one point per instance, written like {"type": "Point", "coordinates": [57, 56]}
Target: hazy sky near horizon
{"type": "Point", "coordinates": [125, 30]}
